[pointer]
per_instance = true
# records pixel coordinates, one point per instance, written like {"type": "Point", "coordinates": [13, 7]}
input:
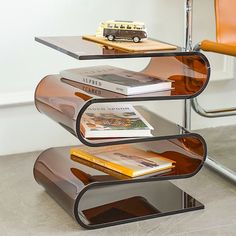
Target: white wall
{"type": "Point", "coordinates": [24, 62]}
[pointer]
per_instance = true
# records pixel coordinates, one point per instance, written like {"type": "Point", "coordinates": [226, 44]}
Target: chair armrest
{"type": "Point", "coordinates": [226, 49]}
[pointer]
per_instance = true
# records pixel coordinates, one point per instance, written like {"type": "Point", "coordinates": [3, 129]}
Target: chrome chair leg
{"type": "Point", "coordinates": [212, 113]}
{"type": "Point", "coordinates": [221, 169]}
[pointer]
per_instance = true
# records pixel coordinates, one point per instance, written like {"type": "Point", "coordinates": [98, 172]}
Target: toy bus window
{"type": "Point", "coordinates": [129, 27]}
{"type": "Point", "coordinates": [116, 26]}
{"type": "Point", "coordinates": [122, 26]}
{"type": "Point", "coordinates": [110, 26]}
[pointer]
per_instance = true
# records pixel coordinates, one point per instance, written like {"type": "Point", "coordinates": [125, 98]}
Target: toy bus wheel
{"type": "Point", "coordinates": [111, 37]}
{"type": "Point", "coordinates": [136, 39]}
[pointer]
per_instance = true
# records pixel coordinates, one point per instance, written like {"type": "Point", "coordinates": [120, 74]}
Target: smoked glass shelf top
{"type": "Point", "coordinates": [82, 49]}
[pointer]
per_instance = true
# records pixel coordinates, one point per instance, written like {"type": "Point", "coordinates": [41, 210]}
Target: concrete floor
{"type": "Point", "coordinates": [221, 144]}
{"type": "Point", "coordinates": [25, 208]}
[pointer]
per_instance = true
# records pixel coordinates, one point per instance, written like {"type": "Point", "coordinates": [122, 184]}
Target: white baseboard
{"type": "Point", "coordinates": [24, 129]}
{"type": "Point", "coordinates": [16, 99]}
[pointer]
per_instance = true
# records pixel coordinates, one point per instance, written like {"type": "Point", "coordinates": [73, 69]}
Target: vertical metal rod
{"type": "Point", "coordinates": [188, 47]}
{"type": "Point", "coordinates": [188, 24]}
{"type": "Point", "coordinates": [187, 114]}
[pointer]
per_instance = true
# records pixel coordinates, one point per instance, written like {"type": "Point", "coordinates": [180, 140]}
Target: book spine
{"type": "Point", "coordinates": [89, 80]}
{"type": "Point", "coordinates": [101, 162]}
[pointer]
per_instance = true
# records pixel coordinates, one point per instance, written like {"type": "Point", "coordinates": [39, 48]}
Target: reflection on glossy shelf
{"type": "Point", "coordinates": [136, 201]}
{"type": "Point", "coordinates": [124, 209]}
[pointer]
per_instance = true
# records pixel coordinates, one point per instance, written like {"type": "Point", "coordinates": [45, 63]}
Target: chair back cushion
{"type": "Point", "coordinates": [225, 12]}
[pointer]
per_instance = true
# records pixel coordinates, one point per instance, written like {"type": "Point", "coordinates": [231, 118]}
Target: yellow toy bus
{"type": "Point", "coordinates": [129, 30]}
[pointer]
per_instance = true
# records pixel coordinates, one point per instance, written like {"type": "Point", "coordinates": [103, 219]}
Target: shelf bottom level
{"type": "Point", "coordinates": [106, 203]}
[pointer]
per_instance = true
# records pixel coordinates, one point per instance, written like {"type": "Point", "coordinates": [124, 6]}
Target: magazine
{"type": "Point", "coordinates": [116, 79]}
{"type": "Point", "coordinates": [113, 121]}
{"type": "Point", "coordinates": [125, 159]}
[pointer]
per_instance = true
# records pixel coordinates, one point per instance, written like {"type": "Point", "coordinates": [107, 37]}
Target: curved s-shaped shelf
{"type": "Point", "coordinates": [97, 197]}
{"type": "Point", "coordinates": [65, 100]}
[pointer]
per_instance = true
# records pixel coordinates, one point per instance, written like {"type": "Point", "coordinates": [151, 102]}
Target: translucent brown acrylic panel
{"type": "Point", "coordinates": [65, 101]}
{"type": "Point", "coordinates": [66, 178]}
{"type": "Point", "coordinates": [189, 73]}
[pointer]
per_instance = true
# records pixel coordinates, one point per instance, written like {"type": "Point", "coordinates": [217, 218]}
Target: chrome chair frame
{"type": "Point", "coordinates": [221, 169]}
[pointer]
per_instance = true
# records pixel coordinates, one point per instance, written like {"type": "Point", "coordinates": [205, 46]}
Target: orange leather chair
{"type": "Point", "coordinates": [225, 11]}
{"type": "Point", "coordinates": [225, 16]}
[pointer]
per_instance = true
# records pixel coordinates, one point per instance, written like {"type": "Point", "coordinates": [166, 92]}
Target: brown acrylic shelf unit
{"type": "Point", "coordinates": [96, 196]}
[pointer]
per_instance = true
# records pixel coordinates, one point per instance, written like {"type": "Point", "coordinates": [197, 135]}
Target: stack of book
{"type": "Point", "coordinates": [113, 121]}
{"type": "Point", "coordinates": [125, 159]}
{"type": "Point", "coordinates": [110, 120]}
{"type": "Point", "coordinates": [117, 80]}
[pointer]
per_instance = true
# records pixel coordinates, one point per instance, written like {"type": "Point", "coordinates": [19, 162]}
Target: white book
{"type": "Point", "coordinates": [117, 79]}
{"type": "Point", "coordinates": [113, 121]}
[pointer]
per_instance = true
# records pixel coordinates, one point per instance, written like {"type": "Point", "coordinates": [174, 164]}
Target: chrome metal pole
{"type": "Point", "coordinates": [187, 114]}
{"type": "Point", "coordinates": [188, 47]}
{"type": "Point", "coordinates": [188, 24]}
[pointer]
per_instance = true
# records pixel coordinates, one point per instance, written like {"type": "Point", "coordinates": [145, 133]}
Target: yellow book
{"type": "Point", "coordinates": [125, 159]}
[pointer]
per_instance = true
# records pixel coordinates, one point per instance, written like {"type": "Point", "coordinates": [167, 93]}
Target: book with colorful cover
{"type": "Point", "coordinates": [117, 79]}
{"type": "Point", "coordinates": [125, 159]}
{"type": "Point", "coordinates": [113, 121]}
